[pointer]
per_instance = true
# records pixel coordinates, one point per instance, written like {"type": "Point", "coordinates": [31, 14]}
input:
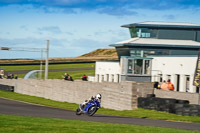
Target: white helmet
{"type": "Point", "coordinates": [98, 96]}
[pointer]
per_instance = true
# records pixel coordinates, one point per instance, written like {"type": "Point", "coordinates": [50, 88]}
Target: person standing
{"type": "Point", "coordinates": [170, 85]}
{"type": "Point", "coordinates": [164, 85]}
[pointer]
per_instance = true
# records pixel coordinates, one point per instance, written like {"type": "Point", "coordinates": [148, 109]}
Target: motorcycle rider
{"type": "Point", "coordinates": [97, 97]}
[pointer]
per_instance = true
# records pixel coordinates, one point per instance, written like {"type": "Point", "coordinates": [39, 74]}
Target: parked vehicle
{"type": "Point", "coordinates": [90, 108]}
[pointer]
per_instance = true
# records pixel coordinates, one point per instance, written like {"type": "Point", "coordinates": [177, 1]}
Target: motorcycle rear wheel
{"type": "Point", "coordinates": [92, 110]}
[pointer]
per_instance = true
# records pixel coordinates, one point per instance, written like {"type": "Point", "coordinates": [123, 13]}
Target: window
{"type": "Point", "coordinates": [137, 52]}
{"type": "Point", "coordinates": [139, 66]}
{"type": "Point", "coordinates": [130, 66]}
{"type": "Point", "coordinates": [143, 32]}
{"type": "Point", "coordinates": [138, 63]}
{"type": "Point", "coordinates": [133, 32]}
{"type": "Point", "coordinates": [147, 69]}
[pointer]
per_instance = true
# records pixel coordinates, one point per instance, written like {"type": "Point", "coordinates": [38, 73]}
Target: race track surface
{"type": "Point", "coordinates": [25, 109]}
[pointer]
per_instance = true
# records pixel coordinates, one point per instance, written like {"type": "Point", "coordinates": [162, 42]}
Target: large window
{"type": "Point", "coordinates": [143, 32]}
{"type": "Point", "coordinates": [139, 66]}
{"type": "Point", "coordinates": [159, 52]}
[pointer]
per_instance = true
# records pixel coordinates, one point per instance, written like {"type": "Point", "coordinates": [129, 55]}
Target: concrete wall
{"type": "Point", "coordinates": [118, 96]}
{"type": "Point", "coordinates": [194, 98]}
{"type": "Point", "coordinates": [173, 65]}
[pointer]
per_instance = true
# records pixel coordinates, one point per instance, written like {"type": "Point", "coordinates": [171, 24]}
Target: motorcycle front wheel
{"type": "Point", "coordinates": [78, 111]}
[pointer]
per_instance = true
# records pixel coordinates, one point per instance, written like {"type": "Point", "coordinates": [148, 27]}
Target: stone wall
{"type": "Point", "coordinates": [118, 96]}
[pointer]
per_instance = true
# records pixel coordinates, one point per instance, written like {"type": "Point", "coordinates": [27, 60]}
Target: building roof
{"type": "Point", "coordinates": [163, 25]}
{"type": "Point", "coordinates": [151, 42]}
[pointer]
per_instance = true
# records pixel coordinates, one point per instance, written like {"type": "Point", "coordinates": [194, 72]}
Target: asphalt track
{"type": "Point", "coordinates": [25, 109]}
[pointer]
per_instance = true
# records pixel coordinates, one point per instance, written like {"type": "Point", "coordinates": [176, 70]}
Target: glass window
{"type": "Point", "coordinates": [139, 66]}
{"type": "Point", "coordinates": [130, 66]}
{"type": "Point", "coordinates": [138, 63]}
{"type": "Point", "coordinates": [147, 67]}
{"type": "Point", "coordinates": [159, 52]}
{"type": "Point", "coordinates": [143, 32]}
{"type": "Point", "coordinates": [136, 53]}
{"type": "Point", "coordinates": [133, 32]}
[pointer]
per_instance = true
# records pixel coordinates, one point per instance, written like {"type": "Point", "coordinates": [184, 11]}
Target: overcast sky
{"type": "Point", "coordinates": [76, 27]}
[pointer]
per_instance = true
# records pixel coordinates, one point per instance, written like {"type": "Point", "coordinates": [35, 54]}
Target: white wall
{"type": "Point", "coordinates": [107, 67]}
{"type": "Point", "coordinates": [170, 67]}
{"type": "Point", "coordinates": [174, 65]}
{"type": "Point", "coordinates": [165, 67]}
{"type": "Point", "coordinates": [108, 71]}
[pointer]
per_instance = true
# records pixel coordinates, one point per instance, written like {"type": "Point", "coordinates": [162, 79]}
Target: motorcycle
{"type": "Point", "coordinates": [90, 108]}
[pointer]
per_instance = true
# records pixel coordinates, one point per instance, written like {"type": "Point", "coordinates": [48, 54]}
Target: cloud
{"type": "Point", "coordinates": [110, 7]}
{"type": "Point", "coordinates": [169, 17]}
{"type": "Point", "coordinates": [50, 29]}
{"type": "Point", "coordinates": [117, 11]}
{"type": "Point", "coordinates": [22, 42]}
{"type": "Point", "coordinates": [24, 27]}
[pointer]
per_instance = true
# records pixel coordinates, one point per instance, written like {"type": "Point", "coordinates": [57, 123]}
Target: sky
{"type": "Point", "coordinates": [76, 27]}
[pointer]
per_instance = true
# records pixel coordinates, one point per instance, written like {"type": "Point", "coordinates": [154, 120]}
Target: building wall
{"type": "Point", "coordinates": [174, 65]}
{"type": "Point", "coordinates": [178, 69]}
{"type": "Point", "coordinates": [107, 71]}
{"type": "Point", "coordinates": [112, 67]}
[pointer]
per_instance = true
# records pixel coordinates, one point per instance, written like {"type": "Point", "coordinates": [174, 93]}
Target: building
{"type": "Point", "coordinates": [157, 51]}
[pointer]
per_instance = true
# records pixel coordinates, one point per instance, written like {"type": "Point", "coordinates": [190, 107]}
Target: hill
{"type": "Point", "coordinates": [102, 53]}
{"type": "Point", "coordinates": [96, 55]}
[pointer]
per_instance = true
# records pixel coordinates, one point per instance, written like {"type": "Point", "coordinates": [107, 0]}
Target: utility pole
{"type": "Point", "coordinates": [40, 76]}
{"type": "Point", "coordinates": [46, 63]}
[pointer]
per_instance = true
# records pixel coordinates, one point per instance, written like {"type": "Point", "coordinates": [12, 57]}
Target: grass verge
{"type": "Point", "coordinates": [141, 113]}
{"type": "Point", "coordinates": [22, 124]}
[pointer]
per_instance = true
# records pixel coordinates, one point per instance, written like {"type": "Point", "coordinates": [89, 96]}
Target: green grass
{"type": "Point", "coordinates": [57, 66]}
{"type": "Point", "coordinates": [56, 75]}
{"type": "Point", "coordinates": [76, 75]}
{"type": "Point", "coordinates": [22, 124]}
{"type": "Point", "coordinates": [141, 113]}
{"type": "Point", "coordinates": [38, 100]}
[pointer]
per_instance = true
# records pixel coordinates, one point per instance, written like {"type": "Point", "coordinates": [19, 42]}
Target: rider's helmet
{"type": "Point", "coordinates": [98, 96]}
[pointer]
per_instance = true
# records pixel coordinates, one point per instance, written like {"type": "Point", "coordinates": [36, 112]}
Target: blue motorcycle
{"type": "Point", "coordinates": [90, 108]}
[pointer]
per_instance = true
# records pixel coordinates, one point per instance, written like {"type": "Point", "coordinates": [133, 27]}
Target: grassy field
{"type": "Point", "coordinates": [141, 113]}
{"type": "Point", "coordinates": [22, 124]}
{"type": "Point", "coordinates": [76, 75]}
{"type": "Point", "coordinates": [57, 66]}
{"type": "Point", "coordinates": [56, 75]}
